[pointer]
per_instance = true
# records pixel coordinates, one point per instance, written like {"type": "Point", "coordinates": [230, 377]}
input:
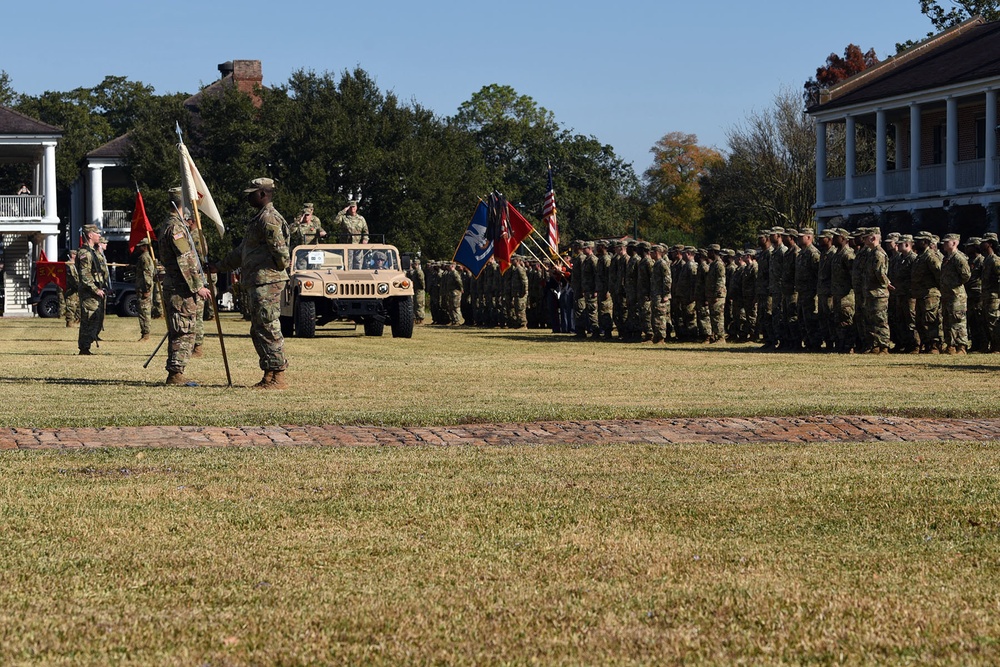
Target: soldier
{"type": "Point", "coordinates": [703, 315]}
{"type": "Point", "coordinates": [643, 291]}
{"type": "Point", "coordinates": [145, 273]}
{"type": "Point", "coordinates": [955, 272]}
{"type": "Point", "coordinates": [715, 294]}
{"type": "Point", "coordinates": [748, 316]}
{"type": "Point", "coordinates": [616, 278]}
{"type": "Point", "coordinates": [824, 293]}
{"type": "Point", "coordinates": [602, 280]}
{"type": "Point", "coordinates": [519, 294]}
{"type": "Point", "coordinates": [775, 280]}
{"type": "Point", "coordinates": [685, 302]}
{"type": "Point", "coordinates": [306, 228]}
{"type": "Point", "coordinates": [352, 228]}
{"type": "Point", "coordinates": [978, 338]}
{"type": "Point", "coordinates": [674, 255]}
{"type": "Point", "coordinates": [889, 245]}
{"type": "Point", "coordinates": [875, 282]}
{"type": "Point", "coordinates": [466, 304]}
{"type": "Point", "coordinates": [792, 339]}
{"type": "Point", "coordinates": [199, 321]}
{"type": "Point", "coordinates": [765, 309]}
{"type": "Point", "coordinates": [263, 261]}
{"type": "Point", "coordinates": [93, 283]}
{"type": "Point", "coordinates": [806, 283]}
{"type": "Point", "coordinates": [183, 282]}
{"type": "Point", "coordinates": [906, 310]}
{"type": "Point", "coordinates": [660, 294]}
{"type": "Point", "coordinates": [842, 292]}
{"type": "Point", "coordinates": [451, 289]}
{"type": "Point", "coordinates": [862, 255]}
{"type": "Point", "coordinates": [925, 276]}
{"type": "Point", "coordinates": [72, 294]}
{"type": "Point", "coordinates": [416, 276]}
{"type": "Point", "coordinates": [991, 290]}
{"type": "Point", "coordinates": [632, 328]}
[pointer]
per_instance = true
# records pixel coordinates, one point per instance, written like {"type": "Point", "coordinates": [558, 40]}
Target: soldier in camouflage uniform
{"type": "Point", "coordinates": [93, 283]}
{"type": "Point", "coordinates": [602, 281]}
{"type": "Point", "coordinates": [632, 329]}
{"type": "Point", "coordinates": [842, 292]}
{"type": "Point", "coordinates": [72, 294]}
{"type": "Point", "coordinates": [306, 228]}
{"type": "Point", "coordinates": [183, 282]}
{"type": "Point", "coordinates": [955, 273]}
{"type": "Point", "coordinates": [588, 283]}
{"type": "Point", "coordinates": [519, 294]}
{"type": "Point", "coordinates": [806, 283]}
{"type": "Point", "coordinates": [416, 276]}
{"type": "Point", "coordinates": [451, 289]}
{"type": "Point", "coordinates": [861, 256]}
{"type": "Point", "coordinates": [978, 338]}
{"type": "Point", "coordinates": [875, 282]}
{"type": "Point", "coordinates": [351, 227]}
{"type": "Point", "coordinates": [774, 282]}
{"type": "Point", "coordinates": [199, 322]}
{"type": "Point", "coordinates": [991, 290]}
{"type": "Point", "coordinates": [684, 296]}
{"type": "Point", "coordinates": [662, 281]}
{"type": "Point", "coordinates": [145, 274]}
{"type": "Point", "coordinates": [643, 291]}
{"type": "Point", "coordinates": [748, 315]}
{"type": "Point", "coordinates": [889, 245]}
{"type": "Point", "coordinates": [263, 261]}
{"type": "Point", "coordinates": [704, 317]}
{"type": "Point", "coordinates": [792, 332]}
{"type": "Point", "coordinates": [765, 308]}
{"type": "Point", "coordinates": [906, 308]}
{"type": "Point", "coordinates": [824, 293]}
{"type": "Point", "coordinates": [715, 295]}
{"type": "Point", "coordinates": [616, 278]}
{"type": "Point", "coordinates": [925, 277]}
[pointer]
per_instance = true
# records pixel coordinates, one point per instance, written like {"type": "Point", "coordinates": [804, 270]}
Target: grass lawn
{"type": "Point", "coordinates": [447, 376]}
{"type": "Point", "coordinates": [882, 553]}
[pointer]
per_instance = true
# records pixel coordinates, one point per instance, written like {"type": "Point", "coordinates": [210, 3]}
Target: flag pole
{"type": "Point", "coordinates": [541, 248]}
{"type": "Point", "coordinates": [211, 289]}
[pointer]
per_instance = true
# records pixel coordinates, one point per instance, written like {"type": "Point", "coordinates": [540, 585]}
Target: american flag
{"type": "Point", "coordinates": [549, 217]}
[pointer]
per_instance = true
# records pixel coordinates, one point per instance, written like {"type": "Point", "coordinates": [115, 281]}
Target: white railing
{"type": "Point", "coordinates": [897, 182]}
{"type": "Point", "coordinates": [970, 174]}
{"type": "Point", "coordinates": [864, 186]}
{"type": "Point", "coordinates": [116, 221]}
{"type": "Point", "coordinates": [932, 178]}
{"type": "Point", "coordinates": [20, 207]}
{"type": "Point", "coordinates": [833, 190]}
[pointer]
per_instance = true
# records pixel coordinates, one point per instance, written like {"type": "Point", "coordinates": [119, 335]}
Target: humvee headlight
{"type": "Point", "coordinates": [404, 283]}
{"type": "Point", "coordinates": [331, 288]}
{"type": "Point", "coordinates": [308, 284]}
{"type": "Point", "coordinates": [383, 288]}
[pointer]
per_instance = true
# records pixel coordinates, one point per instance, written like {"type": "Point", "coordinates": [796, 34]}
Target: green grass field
{"type": "Point", "coordinates": [875, 553]}
{"type": "Point", "coordinates": [447, 376]}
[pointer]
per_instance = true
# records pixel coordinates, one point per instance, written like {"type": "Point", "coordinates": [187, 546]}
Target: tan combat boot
{"type": "Point", "coordinates": [143, 337]}
{"type": "Point", "coordinates": [176, 378]}
{"type": "Point", "coordinates": [196, 352]}
{"type": "Point", "coordinates": [265, 381]}
{"type": "Point", "coordinates": [278, 381]}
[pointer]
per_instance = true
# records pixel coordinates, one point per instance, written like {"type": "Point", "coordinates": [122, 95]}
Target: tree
{"type": "Point", "coordinates": [837, 68]}
{"type": "Point", "coordinates": [673, 185]}
{"type": "Point", "coordinates": [7, 95]}
{"type": "Point", "coordinates": [952, 12]}
{"type": "Point", "coordinates": [769, 174]}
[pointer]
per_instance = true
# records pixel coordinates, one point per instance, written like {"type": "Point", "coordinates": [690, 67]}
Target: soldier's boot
{"type": "Point", "coordinates": [85, 351]}
{"type": "Point", "coordinates": [144, 336]}
{"type": "Point", "coordinates": [277, 381]}
{"type": "Point", "coordinates": [176, 378]}
{"type": "Point", "coordinates": [961, 349]}
{"type": "Point", "coordinates": [68, 324]}
{"type": "Point", "coordinates": [196, 351]}
{"type": "Point", "coordinates": [266, 380]}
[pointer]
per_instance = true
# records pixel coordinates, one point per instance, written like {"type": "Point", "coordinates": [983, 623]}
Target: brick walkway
{"type": "Point", "coordinates": [707, 430]}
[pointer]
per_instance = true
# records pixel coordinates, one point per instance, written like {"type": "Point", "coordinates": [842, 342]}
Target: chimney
{"type": "Point", "coordinates": [226, 68]}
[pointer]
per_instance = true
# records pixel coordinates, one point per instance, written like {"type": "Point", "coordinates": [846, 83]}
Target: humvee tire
{"type": "Point", "coordinates": [287, 325]}
{"type": "Point", "coordinates": [374, 327]}
{"type": "Point", "coordinates": [49, 306]}
{"type": "Point", "coordinates": [305, 318]}
{"type": "Point", "coordinates": [401, 316]}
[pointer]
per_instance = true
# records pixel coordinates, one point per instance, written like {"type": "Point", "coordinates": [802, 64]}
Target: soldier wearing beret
{"type": "Point", "coordinates": [263, 259]}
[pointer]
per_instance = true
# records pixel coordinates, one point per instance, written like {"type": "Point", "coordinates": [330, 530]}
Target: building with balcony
{"type": "Point", "coordinates": [911, 143]}
{"type": "Point", "coordinates": [28, 222]}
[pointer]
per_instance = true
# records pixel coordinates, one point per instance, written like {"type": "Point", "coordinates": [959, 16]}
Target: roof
{"type": "Point", "coordinates": [968, 52]}
{"type": "Point", "coordinates": [13, 122]}
{"type": "Point", "coordinates": [117, 147]}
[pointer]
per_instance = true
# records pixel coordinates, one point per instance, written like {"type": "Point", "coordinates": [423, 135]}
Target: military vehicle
{"type": "Point", "coordinates": [355, 282]}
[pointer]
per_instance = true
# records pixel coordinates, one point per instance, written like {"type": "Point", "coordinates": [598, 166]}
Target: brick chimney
{"type": "Point", "coordinates": [246, 74]}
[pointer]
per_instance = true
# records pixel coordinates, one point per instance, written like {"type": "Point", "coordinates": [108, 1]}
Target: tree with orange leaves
{"type": "Point", "coordinates": [673, 184]}
{"type": "Point", "coordinates": [837, 69]}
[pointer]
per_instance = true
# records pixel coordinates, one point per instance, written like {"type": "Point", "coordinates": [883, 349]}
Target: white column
{"type": "Point", "coordinates": [49, 161]}
{"type": "Point", "coordinates": [850, 153]}
{"type": "Point", "coordinates": [990, 176]}
{"type": "Point", "coordinates": [951, 144]}
{"type": "Point", "coordinates": [820, 162]}
{"type": "Point", "coordinates": [914, 149]}
{"type": "Point", "coordinates": [36, 179]}
{"type": "Point", "coordinates": [881, 153]}
{"type": "Point", "coordinates": [52, 247]}
{"type": "Point", "coordinates": [95, 198]}
{"type": "Point", "coordinates": [900, 131]}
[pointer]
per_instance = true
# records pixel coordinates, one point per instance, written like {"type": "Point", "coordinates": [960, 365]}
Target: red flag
{"type": "Point", "coordinates": [140, 224]}
{"type": "Point", "coordinates": [549, 217]}
{"type": "Point", "coordinates": [515, 230]}
{"type": "Point", "coordinates": [49, 272]}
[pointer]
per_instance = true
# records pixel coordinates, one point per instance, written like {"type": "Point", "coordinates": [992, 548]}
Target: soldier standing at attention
{"type": "Point", "coordinates": [991, 290]}
{"type": "Point", "coordinates": [842, 291]}
{"type": "Point", "coordinates": [876, 286]}
{"type": "Point", "coordinates": [955, 272]}
{"type": "Point", "coordinates": [715, 295]}
{"type": "Point", "coordinates": [145, 272]}
{"type": "Point", "coordinates": [306, 228]}
{"type": "Point", "coordinates": [616, 285]}
{"type": "Point", "coordinates": [824, 295]}
{"type": "Point", "coordinates": [262, 258]}
{"type": "Point", "coordinates": [519, 295]}
{"type": "Point", "coordinates": [765, 309]}
{"type": "Point", "coordinates": [588, 283]}
{"type": "Point", "coordinates": [419, 285]}
{"type": "Point", "coordinates": [352, 228]}
{"type": "Point", "coordinates": [182, 285]}
{"type": "Point", "coordinates": [978, 339]}
{"type": "Point", "coordinates": [660, 294]}
{"type": "Point", "coordinates": [643, 291]}
{"type": "Point", "coordinates": [72, 291]}
{"type": "Point", "coordinates": [806, 287]}
{"type": "Point", "coordinates": [774, 281]}
{"type": "Point", "coordinates": [907, 309]}
{"type": "Point", "coordinates": [925, 274]}
{"type": "Point", "coordinates": [93, 286]}
{"type": "Point", "coordinates": [451, 289]}
{"type": "Point", "coordinates": [605, 323]}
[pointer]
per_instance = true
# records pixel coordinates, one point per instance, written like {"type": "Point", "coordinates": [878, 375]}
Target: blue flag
{"type": "Point", "coordinates": [476, 248]}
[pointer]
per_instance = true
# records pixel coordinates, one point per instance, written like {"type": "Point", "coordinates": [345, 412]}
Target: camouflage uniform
{"type": "Point", "coordinates": [925, 276]}
{"type": "Point", "coordinates": [765, 310]}
{"type": "Point", "coordinates": [72, 294]}
{"type": "Point", "coordinates": [906, 307]}
{"type": "Point", "coordinates": [145, 274]}
{"type": "Point", "coordinates": [991, 291]}
{"type": "Point", "coordinates": [304, 231]}
{"type": "Point", "coordinates": [806, 283]}
{"type": "Point", "coordinates": [632, 327]}
{"type": "Point", "coordinates": [351, 228]}
{"type": "Point", "coordinates": [774, 280]}
{"type": "Point", "coordinates": [875, 282]}
{"type": "Point", "coordinates": [792, 329]}
{"type": "Point", "coordinates": [616, 286]}
{"type": "Point", "coordinates": [182, 278]}
{"type": "Point", "coordinates": [417, 278]}
{"type": "Point", "coordinates": [588, 283]}
{"type": "Point", "coordinates": [715, 296]}
{"type": "Point", "coordinates": [605, 305]}
{"type": "Point", "coordinates": [748, 317]}
{"type": "Point", "coordinates": [660, 297]}
{"type": "Point", "coordinates": [824, 295]}
{"type": "Point", "coordinates": [842, 293]}
{"type": "Point", "coordinates": [643, 292]}
{"type": "Point", "coordinates": [519, 295]}
{"type": "Point", "coordinates": [451, 289]}
{"type": "Point", "coordinates": [262, 258]}
{"type": "Point", "coordinates": [955, 272]}
{"type": "Point", "coordinates": [978, 338]}
{"type": "Point", "coordinates": [92, 277]}
{"type": "Point", "coordinates": [686, 283]}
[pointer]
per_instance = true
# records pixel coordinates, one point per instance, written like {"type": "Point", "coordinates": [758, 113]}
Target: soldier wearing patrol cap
{"type": "Point", "coordinates": [925, 275]}
{"type": "Point", "coordinates": [906, 309]}
{"type": "Point", "coordinates": [93, 284]}
{"type": "Point", "coordinates": [842, 292]}
{"type": "Point", "coordinates": [806, 287]}
{"type": "Point", "coordinates": [262, 258]}
{"type": "Point", "coordinates": [352, 227]}
{"type": "Point", "coordinates": [605, 305]}
{"type": "Point", "coordinates": [145, 275]}
{"type": "Point", "coordinates": [616, 279]}
{"type": "Point", "coordinates": [824, 293]}
{"type": "Point", "coordinates": [978, 338]}
{"type": "Point", "coordinates": [660, 294]}
{"type": "Point", "coordinates": [715, 294]}
{"type": "Point", "coordinates": [991, 290]}
{"type": "Point", "coordinates": [955, 273]}
{"type": "Point", "coordinates": [588, 283]}
{"type": "Point", "coordinates": [306, 227]}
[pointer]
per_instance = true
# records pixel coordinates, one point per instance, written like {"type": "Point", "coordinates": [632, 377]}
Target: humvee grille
{"type": "Point", "coordinates": [357, 289]}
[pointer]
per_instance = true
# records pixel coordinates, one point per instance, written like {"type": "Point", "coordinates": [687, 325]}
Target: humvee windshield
{"type": "Point", "coordinates": [357, 259]}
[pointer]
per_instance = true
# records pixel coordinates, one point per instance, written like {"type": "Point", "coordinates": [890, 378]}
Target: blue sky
{"type": "Point", "coordinates": [626, 73]}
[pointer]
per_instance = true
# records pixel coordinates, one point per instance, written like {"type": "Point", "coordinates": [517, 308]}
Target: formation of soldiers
{"type": "Point", "coordinates": [836, 291]}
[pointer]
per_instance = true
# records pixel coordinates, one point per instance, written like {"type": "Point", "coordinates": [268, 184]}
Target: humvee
{"type": "Point", "coordinates": [359, 282]}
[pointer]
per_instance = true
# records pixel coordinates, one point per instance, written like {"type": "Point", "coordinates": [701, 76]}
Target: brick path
{"type": "Point", "coordinates": [707, 430]}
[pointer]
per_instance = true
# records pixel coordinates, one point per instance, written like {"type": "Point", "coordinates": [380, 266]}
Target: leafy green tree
{"type": "Point", "coordinates": [673, 186]}
{"type": "Point", "coordinates": [949, 13]}
{"type": "Point", "coordinates": [8, 97]}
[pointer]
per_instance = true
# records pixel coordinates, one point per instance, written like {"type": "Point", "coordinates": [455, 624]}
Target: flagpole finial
{"type": "Point", "coordinates": [180, 136]}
